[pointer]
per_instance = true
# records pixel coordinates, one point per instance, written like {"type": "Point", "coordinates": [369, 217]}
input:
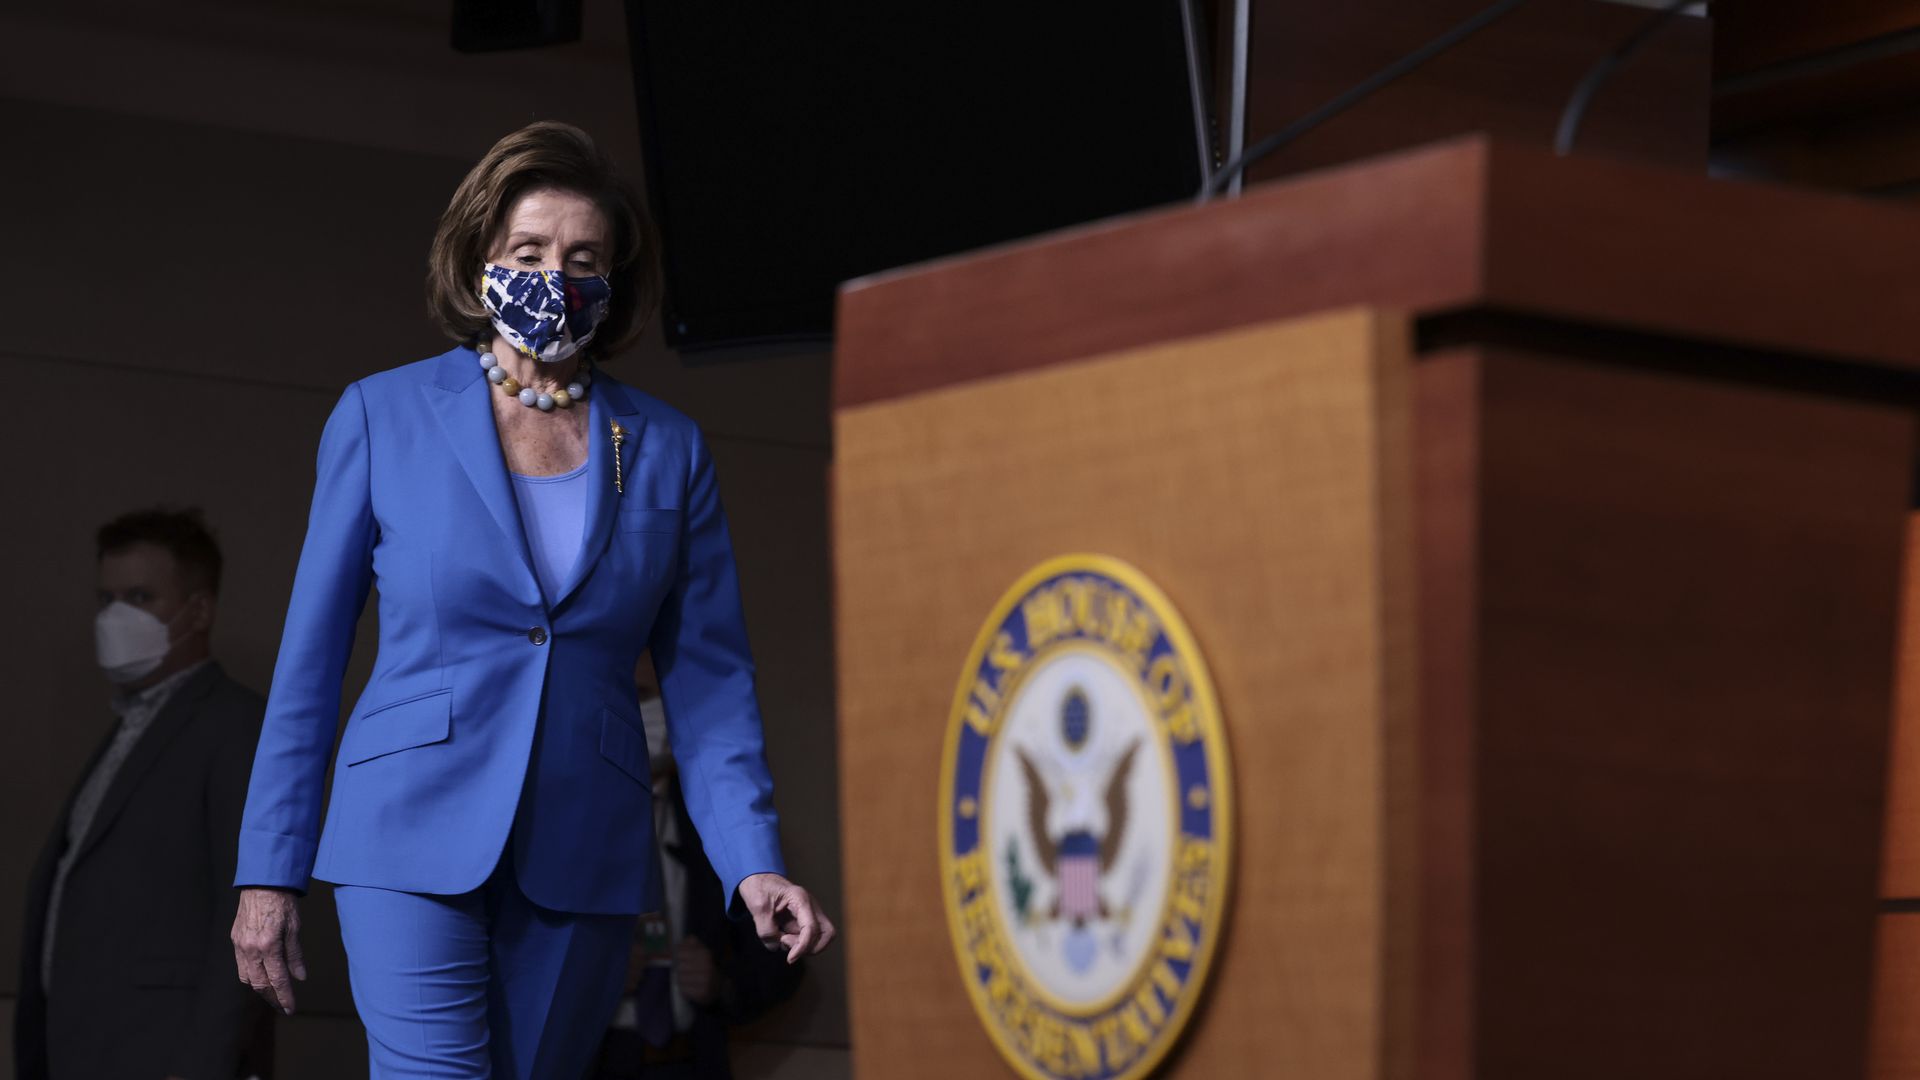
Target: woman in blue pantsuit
{"type": "Point", "coordinates": [532, 526]}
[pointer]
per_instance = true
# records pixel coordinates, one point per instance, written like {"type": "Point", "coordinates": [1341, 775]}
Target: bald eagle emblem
{"type": "Point", "coordinates": [1076, 822]}
{"type": "Point", "coordinates": [1085, 811]}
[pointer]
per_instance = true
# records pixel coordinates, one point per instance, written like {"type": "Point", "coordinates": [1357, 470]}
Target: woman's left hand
{"type": "Point", "coordinates": [786, 916]}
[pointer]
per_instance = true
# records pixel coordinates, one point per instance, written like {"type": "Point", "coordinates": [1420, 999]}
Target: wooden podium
{"type": "Point", "coordinates": [1542, 523]}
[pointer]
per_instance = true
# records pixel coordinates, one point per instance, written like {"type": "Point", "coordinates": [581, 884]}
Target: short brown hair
{"type": "Point", "coordinates": [181, 533]}
{"type": "Point", "coordinates": [542, 155]}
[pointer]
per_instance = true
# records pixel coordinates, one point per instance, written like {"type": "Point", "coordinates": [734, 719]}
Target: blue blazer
{"type": "Point", "coordinates": [494, 717]}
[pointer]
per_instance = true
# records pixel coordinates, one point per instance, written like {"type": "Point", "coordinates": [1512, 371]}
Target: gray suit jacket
{"type": "Point", "coordinates": [143, 983]}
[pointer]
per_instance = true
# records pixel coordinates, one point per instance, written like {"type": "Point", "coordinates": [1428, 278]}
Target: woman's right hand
{"type": "Point", "coordinates": [266, 944]}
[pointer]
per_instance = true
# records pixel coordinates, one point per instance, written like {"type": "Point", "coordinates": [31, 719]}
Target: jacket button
{"type": "Point", "coordinates": [537, 635]}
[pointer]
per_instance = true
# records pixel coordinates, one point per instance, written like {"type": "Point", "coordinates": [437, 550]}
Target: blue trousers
{"type": "Point", "coordinates": [485, 985]}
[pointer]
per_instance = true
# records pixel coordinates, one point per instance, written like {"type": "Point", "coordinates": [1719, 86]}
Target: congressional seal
{"type": "Point", "coordinates": [1085, 814]}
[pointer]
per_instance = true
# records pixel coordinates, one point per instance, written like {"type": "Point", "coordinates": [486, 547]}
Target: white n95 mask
{"type": "Point", "coordinates": [129, 642]}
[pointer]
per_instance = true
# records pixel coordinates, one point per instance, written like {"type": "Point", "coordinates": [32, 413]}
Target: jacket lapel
{"type": "Point", "coordinates": [459, 400]}
{"type": "Point", "coordinates": [40, 880]}
{"type": "Point", "coordinates": [174, 715]}
{"type": "Point", "coordinates": [608, 404]}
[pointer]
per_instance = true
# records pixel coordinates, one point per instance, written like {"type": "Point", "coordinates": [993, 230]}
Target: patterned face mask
{"type": "Point", "coordinates": [541, 312]}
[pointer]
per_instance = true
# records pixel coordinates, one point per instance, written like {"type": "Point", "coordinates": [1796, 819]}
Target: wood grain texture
{"type": "Point", "coordinates": [1446, 426]}
{"type": "Point", "coordinates": [1653, 251]}
{"type": "Point", "coordinates": [1900, 866]}
{"type": "Point", "coordinates": [1635, 829]}
{"type": "Point", "coordinates": [1254, 476]}
{"type": "Point", "coordinates": [1895, 1053]}
{"type": "Point", "coordinates": [1391, 237]}
{"type": "Point", "coordinates": [1686, 611]}
{"type": "Point", "coordinates": [1463, 225]}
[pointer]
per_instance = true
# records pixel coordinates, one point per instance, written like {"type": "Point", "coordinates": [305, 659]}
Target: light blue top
{"type": "Point", "coordinates": [495, 722]}
{"type": "Point", "coordinates": [553, 511]}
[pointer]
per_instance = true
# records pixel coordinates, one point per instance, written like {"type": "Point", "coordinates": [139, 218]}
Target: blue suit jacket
{"type": "Point", "coordinates": [494, 717]}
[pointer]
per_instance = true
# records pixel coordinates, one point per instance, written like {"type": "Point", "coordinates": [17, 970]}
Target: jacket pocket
{"type": "Point", "coordinates": [649, 519]}
{"type": "Point", "coordinates": [625, 746]}
{"type": "Point", "coordinates": [401, 725]}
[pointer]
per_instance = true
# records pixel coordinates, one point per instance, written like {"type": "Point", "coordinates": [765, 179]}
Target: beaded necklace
{"type": "Point", "coordinates": [528, 396]}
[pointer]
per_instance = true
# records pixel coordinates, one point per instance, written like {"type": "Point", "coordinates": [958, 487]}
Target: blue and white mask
{"type": "Point", "coordinates": [542, 313]}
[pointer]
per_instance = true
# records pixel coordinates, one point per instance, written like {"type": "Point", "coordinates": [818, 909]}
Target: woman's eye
{"type": "Point", "coordinates": [529, 260]}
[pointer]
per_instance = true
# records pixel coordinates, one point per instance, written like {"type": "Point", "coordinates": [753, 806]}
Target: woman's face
{"type": "Point", "coordinates": [550, 229]}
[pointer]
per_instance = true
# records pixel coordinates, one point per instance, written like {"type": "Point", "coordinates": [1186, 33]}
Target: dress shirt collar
{"type": "Point", "coordinates": [149, 701]}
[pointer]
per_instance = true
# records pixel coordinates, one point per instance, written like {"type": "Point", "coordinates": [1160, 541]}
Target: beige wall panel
{"type": "Point", "coordinates": [1257, 477]}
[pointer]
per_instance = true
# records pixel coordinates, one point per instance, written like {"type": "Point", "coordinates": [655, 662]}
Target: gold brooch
{"type": "Point", "coordinates": [619, 436]}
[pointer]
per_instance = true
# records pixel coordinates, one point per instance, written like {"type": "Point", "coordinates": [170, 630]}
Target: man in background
{"type": "Point", "coordinates": [126, 968]}
{"type": "Point", "coordinates": [692, 972]}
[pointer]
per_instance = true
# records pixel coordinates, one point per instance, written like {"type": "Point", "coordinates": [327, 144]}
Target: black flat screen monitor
{"type": "Point", "coordinates": [791, 146]}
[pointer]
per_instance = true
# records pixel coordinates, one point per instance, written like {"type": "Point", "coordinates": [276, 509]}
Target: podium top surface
{"type": "Point", "coordinates": [1467, 225]}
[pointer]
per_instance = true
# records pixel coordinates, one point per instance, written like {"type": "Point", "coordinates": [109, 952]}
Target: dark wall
{"type": "Point", "coordinates": [1823, 95]}
{"type": "Point", "coordinates": [297, 205]}
{"type": "Point", "coordinates": [1513, 78]}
